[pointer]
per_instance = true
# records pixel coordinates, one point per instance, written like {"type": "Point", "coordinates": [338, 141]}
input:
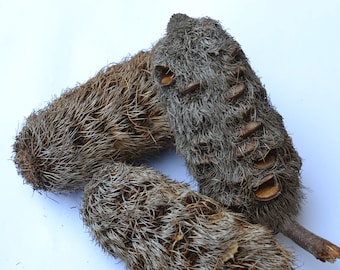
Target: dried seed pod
{"type": "Point", "coordinates": [115, 116]}
{"type": "Point", "coordinates": [247, 160]}
{"type": "Point", "coordinates": [151, 222]}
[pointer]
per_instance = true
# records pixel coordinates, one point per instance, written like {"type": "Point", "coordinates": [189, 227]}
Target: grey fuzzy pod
{"type": "Point", "coordinates": [115, 116]}
{"type": "Point", "coordinates": [233, 140]}
{"type": "Point", "coordinates": [151, 222]}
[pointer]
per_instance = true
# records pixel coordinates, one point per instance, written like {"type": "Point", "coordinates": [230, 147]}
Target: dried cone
{"type": "Point", "coordinates": [151, 222]}
{"type": "Point", "coordinates": [233, 140]}
{"type": "Point", "coordinates": [115, 116]}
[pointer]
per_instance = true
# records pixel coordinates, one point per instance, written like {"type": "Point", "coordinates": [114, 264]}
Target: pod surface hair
{"type": "Point", "coordinates": [232, 138]}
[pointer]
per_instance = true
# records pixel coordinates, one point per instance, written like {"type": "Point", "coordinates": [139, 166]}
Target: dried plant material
{"type": "Point", "coordinates": [236, 91]}
{"type": "Point", "coordinates": [191, 88]}
{"type": "Point", "coordinates": [231, 114]}
{"type": "Point", "coordinates": [249, 128]}
{"type": "Point", "coordinates": [167, 77]}
{"type": "Point", "coordinates": [231, 253]}
{"type": "Point", "coordinates": [266, 162]}
{"type": "Point", "coordinates": [245, 149]}
{"type": "Point", "coordinates": [167, 80]}
{"type": "Point", "coordinates": [151, 222]}
{"type": "Point", "coordinates": [115, 116]}
{"type": "Point", "coordinates": [267, 189]}
{"type": "Point", "coordinates": [322, 248]}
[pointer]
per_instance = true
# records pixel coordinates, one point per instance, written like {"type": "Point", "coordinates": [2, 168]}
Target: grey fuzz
{"type": "Point", "coordinates": [233, 140]}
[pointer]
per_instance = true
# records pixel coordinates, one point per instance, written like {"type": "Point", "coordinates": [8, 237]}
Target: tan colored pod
{"type": "Point", "coordinates": [232, 138]}
{"type": "Point", "coordinates": [151, 222]}
{"type": "Point", "coordinates": [115, 116]}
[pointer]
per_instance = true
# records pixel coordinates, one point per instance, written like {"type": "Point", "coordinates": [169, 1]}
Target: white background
{"type": "Point", "coordinates": [48, 46]}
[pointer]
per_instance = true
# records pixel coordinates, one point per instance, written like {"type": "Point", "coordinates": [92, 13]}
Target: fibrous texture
{"type": "Point", "coordinates": [113, 117]}
{"type": "Point", "coordinates": [151, 222]}
{"type": "Point", "coordinates": [233, 140]}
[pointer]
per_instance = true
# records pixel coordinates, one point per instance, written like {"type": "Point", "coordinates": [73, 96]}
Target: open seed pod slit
{"type": "Point", "coordinates": [255, 167]}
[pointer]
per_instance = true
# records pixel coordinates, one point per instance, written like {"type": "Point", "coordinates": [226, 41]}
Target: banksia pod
{"type": "Point", "coordinates": [233, 140]}
{"type": "Point", "coordinates": [115, 116]}
{"type": "Point", "coordinates": [151, 222]}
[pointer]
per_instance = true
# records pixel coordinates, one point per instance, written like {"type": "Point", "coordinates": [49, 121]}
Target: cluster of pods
{"type": "Point", "coordinates": [194, 89]}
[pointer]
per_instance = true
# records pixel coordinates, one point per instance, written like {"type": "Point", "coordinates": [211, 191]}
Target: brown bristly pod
{"type": "Point", "coordinates": [233, 140]}
{"type": "Point", "coordinates": [151, 223]}
{"type": "Point", "coordinates": [114, 116]}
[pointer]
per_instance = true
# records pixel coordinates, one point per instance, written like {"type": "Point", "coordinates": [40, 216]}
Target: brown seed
{"type": "Point", "coordinates": [268, 161]}
{"type": "Point", "coordinates": [245, 149]}
{"type": "Point", "coordinates": [114, 116]}
{"type": "Point", "coordinates": [231, 252]}
{"type": "Point", "coordinates": [268, 189]}
{"type": "Point", "coordinates": [236, 91]}
{"type": "Point", "coordinates": [167, 77]}
{"type": "Point", "coordinates": [249, 128]}
{"type": "Point", "coordinates": [191, 88]}
{"type": "Point", "coordinates": [209, 116]}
